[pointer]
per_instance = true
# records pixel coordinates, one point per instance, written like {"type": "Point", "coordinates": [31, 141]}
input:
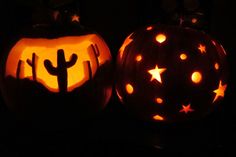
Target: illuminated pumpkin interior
{"type": "Point", "coordinates": [202, 48]}
{"type": "Point", "coordinates": [160, 38]}
{"type": "Point", "coordinates": [217, 66]}
{"type": "Point", "coordinates": [149, 28]}
{"type": "Point", "coordinates": [158, 118]}
{"type": "Point", "coordinates": [159, 100]}
{"type": "Point", "coordinates": [220, 91]}
{"type": "Point", "coordinates": [129, 88]}
{"type": "Point", "coordinates": [75, 18]}
{"type": "Point", "coordinates": [91, 51]}
{"type": "Point", "coordinates": [127, 41]}
{"type": "Point", "coordinates": [139, 58]}
{"type": "Point", "coordinates": [186, 109]}
{"type": "Point", "coordinates": [183, 56]}
{"type": "Point", "coordinates": [196, 77]}
{"type": "Point", "coordinates": [156, 73]}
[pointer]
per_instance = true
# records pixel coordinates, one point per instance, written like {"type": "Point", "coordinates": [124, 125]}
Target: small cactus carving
{"type": "Point", "coordinates": [33, 63]}
{"type": "Point", "coordinates": [95, 52]}
{"type": "Point", "coordinates": [61, 70]}
{"type": "Point", "coordinates": [18, 70]}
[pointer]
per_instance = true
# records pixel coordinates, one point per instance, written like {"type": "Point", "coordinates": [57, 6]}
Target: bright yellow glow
{"type": "Point", "coordinates": [129, 88]}
{"type": "Point", "coordinates": [159, 100]}
{"type": "Point", "coordinates": [75, 18]}
{"type": "Point", "coordinates": [183, 56]}
{"type": "Point", "coordinates": [127, 41]}
{"type": "Point", "coordinates": [220, 91]}
{"type": "Point", "coordinates": [158, 118]}
{"type": "Point", "coordinates": [149, 28]}
{"type": "Point", "coordinates": [139, 58]}
{"type": "Point", "coordinates": [194, 20]}
{"type": "Point", "coordinates": [202, 48]}
{"type": "Point", "coordinates": [217, 66]}
{"type": "Point", "coordinates": [156, 73]}
{"type": "Point", "coordinates": [196, 77]}
{"type": "Point", "coordinates": [186, 109]}
{"type": "Point", "coordinates": [47, 49]}
{"type": "Point", "coordinates": [160, 38]}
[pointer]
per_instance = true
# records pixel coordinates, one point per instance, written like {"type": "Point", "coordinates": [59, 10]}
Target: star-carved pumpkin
{"type": "Point", "coordinates": [65, 71]}
{"type": "Point", "coordinates": [171, 74]}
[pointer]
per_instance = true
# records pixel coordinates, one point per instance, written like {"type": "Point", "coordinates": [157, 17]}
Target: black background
{"type": "Point", "coordinates": [115, 132]}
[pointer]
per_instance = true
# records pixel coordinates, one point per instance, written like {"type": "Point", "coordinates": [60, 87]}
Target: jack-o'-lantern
{"type": "Point", "coordinates": [60, 68]}
{"type": "Point", "coordinates": [170, 73]}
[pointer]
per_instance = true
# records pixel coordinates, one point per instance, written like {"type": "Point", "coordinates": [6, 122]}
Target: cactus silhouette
{"type": "Point", "coordinates": [32, 63]}
{"type": "Point", "coordinates": [18, 70]}
{"type": "Point", "coordinates": [95, 53]}
{"type": "Point", "coordinates": [61, 70]}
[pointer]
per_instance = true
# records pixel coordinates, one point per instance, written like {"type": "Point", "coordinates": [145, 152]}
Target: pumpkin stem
{"type": "Point", "coordinates": [61, 70]}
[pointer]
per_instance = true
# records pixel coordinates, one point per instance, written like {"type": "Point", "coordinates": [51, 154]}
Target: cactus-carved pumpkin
{"type": "Point", "coordinates": [63, 72]}
{"type": "Point", "coordinates": [61, 64]}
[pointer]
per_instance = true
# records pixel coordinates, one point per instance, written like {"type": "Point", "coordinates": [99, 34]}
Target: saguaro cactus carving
{"type": "Point", "coordinates": [61, 70]}
{"type": "Point", "coordinates": [33, 64]}
{"type": "Point", "coordinates": [18, 70]}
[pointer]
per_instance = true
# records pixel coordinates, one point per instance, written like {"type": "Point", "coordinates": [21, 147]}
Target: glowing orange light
{"type": "Point", "coordinates": [158, 118]}
{"type": "Point", "coordinates": [196, 77]}
{"type": "Point", "coordinates": [156, 73]}
{"type": "Point", "coordinates": [129, 88]}
{"type": "Point", "coordinates": [127, 41]}
{"type": "Point", "coordinates": [139, 58]}
{"type": "Point", "coordinates": [194, 20]}
{"type": "Point", "coordinates": [160, 38]}
{"type": "Point", "coordinates": [202, 48]}
{"type": "Point", "coordinates": [159, 100]}
{"type": "Point", "coordinates": [220, 91]}
{"type": "Point", "coordinates": [46, 49]}
{"type": "Point", "coordinates": [186, 109]}
{"type": "Point", "coordinates": [183, 56]}
{"type": "Point", "coordinates": [217, 66]}
{"type": "Point", "coordinates": [149, 28]}
{"type": "Point", "coordinates": [75, 18]}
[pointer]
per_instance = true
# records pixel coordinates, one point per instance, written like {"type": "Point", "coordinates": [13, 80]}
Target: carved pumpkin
{"type": "Point", "coordinates": [170, 74]}
{"type": "Point", "coordinates": [52, 69]}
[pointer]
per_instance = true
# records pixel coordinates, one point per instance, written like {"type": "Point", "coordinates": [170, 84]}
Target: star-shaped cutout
{"type": "Point", "coordinates": [220, 91]}
{"type": "Point", "coordinates": [202, 48]}
{"type": "Point", "coordinates": [156, 73]}
{"type": "Point", "coordinates": [127, 41]}
{"type": "Point", "coordinates": [186, 109]}
{"type": "Point", "coordinates": [75, 18]}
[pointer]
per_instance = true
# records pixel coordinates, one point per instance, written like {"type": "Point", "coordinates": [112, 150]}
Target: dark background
{"type": "Point", "coordinates": [115, 132]}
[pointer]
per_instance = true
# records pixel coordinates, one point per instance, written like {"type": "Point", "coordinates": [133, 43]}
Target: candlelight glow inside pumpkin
{"type": "Point", "coordinates": [82, 56]}
{"type": "Point", "coordinates": [167, 73]}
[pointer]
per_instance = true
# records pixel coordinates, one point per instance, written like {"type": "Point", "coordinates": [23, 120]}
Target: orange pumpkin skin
{"type": "Point", "coordinates": [51, 71]}
{"type": "Point", "coordinates": [170, 74]}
